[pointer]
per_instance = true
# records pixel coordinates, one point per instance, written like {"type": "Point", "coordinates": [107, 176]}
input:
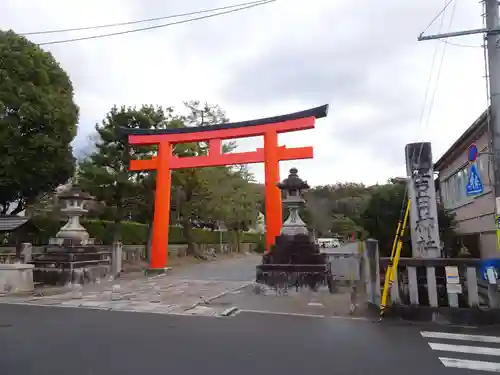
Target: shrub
{"type": "Point", "coordinates": [261, 246]}
{"type": "Point", "coordinates": [133, 233]}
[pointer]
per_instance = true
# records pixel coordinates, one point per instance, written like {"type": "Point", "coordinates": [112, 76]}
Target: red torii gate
{"type": "Point", "coordinates": [271, 155]}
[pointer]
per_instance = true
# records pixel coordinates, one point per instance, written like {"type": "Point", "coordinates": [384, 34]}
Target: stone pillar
{"type": "Point", "coordinates": [27, 251]}
{"type": "Point", "coordinates": [372, 271]}
{"type": "Point", "coordinates": [116, 258]}
{"type": "Point", "coordinates": [422, 192]}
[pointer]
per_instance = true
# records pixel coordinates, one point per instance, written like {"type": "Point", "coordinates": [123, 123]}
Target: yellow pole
{"type": "Point", "coordinates": [398, 250]}
{"type": "Point", "coordinates": [396, 237]}
{"type": "Point", "coordinates": [393, 261]}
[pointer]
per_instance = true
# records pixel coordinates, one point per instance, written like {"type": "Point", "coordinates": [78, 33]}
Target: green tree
{"type": "Point", "coordinates": [381, 214]}
{"type": "Point", "coordinates": [191, 190]}
{"type": "Point", "coordinates": [343, 226]}
{"type": "Point", "coordinates": [236, 202]}
{"type": "Point", "coordinates": [383, 211]}
{"type": "Point", "coordinates": [38, 120]}
{"type": "Point", "coordinates": [196, 192]}
{"type": "Point", "coordinates": [105, 172]}
{"type": "Point", "coordinates": [447, 232]}
{"type": "Point", "coordinates": [328, 202]}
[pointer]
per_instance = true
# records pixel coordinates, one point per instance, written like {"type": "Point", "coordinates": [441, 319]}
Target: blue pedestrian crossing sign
{"type": "Point", "coordinates": [474, 184]}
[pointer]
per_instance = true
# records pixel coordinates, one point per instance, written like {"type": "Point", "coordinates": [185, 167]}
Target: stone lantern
{"type": "Point", "coordinates": [73, 201]}
{"type": "Point", "coordinates": [294, 260]}
{"type": "Point", "coordinates": [293, 187]}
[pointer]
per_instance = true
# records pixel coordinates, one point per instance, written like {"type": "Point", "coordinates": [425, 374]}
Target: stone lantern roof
{"type": "Point", "coordinates": [293, 183]}
{"type": "Point", "coordinates": [74, 192]}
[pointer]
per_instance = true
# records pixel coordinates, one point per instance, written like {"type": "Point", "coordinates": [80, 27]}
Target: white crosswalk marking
{"type": "Point", "coordinates": [470, 365]}
{"type": "Point", "coordinates": [465, 349]}
{"type": "Point", "coordinates": [460, 336]}
{"type": "Point", "coordinates": [490, 352]}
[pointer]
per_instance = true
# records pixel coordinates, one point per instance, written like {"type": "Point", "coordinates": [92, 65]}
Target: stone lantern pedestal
{"type": "Point", "coordinates": [295, 260]}
{"type": "Point", "coordinates": [72, 256]}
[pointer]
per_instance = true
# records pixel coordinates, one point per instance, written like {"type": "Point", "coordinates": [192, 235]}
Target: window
{"type": "Point", "coordinates": [454, 188]}
{"type": "Point", "coordinates": [483, 165]}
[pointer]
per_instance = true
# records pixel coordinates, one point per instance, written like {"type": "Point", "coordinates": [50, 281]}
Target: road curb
{"type": "Point", "coordinates": [281, 313]}
{"type": "Point", "coordinates": [230, 311]}
{"type": "Point", "coordinates": [210, 299]}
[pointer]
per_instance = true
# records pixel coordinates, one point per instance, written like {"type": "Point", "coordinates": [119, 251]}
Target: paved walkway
{"type": "Point", "coordinates": [179, 292]}
{"type": "Point", "coordinates": [163, 295]}
{"type": "Point", "coordinates": [302, 302]}
{"type": "Point", "coordinates": [217, 288]}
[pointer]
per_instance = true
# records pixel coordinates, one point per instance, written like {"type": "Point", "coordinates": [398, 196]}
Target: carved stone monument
{"type": "Point", "coordinates": [295, 260]}
{"type": "Point", "coordinates": [422, 192]}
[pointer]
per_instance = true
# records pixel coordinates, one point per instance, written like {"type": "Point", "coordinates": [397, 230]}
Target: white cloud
{"type": "Point", "coordinates": [363, 60]}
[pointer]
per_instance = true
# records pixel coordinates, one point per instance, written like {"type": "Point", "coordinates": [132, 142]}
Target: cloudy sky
{"type": "Point", "coordinates": [361, 57]}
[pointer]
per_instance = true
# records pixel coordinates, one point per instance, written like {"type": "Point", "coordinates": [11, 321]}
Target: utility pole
{"type": "Point", "coordinates": [492, 40]}
{"type": "Point", "coordinates": [492, 37]}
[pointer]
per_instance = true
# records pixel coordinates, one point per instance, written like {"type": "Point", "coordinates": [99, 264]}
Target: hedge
{"type": "Point", "coordinates": [133, 233]}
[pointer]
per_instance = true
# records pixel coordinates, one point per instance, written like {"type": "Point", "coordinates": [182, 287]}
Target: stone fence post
{"type": "Point", "coordinates": [27, 251]}
{"type": "Point", "coordinates": [116, 258]}
{"type": "Point", "coordinates": [371, 272]}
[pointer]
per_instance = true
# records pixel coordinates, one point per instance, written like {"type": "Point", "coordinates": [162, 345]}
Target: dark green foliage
{"type": "Point", "coordinates": [105, 174]}
{"type": "Point", "coordinates": [383, 211]}
{"type": "Point", "coordinates": [133, 233]}
{"type": "Point", "coordinates": [38, 120]}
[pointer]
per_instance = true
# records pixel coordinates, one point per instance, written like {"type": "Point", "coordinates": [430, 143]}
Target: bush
{"type": "Point", "coordinates": [133, 233]}
{"type": "Point", "coordinates": [261, 246]}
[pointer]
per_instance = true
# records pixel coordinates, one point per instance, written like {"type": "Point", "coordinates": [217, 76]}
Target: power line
{"type": "Point", "coordinates": [440, 66]}
{"type": "Point", "coordinates": [428, 85]}
{"type": "Point", "coordinates": [429, 79]}
{"type": "Point", "coordinates": [95, 27]}
{"type": "Point", "coordinates": [460, 44]}
{"type": "Point", "coordinates": [255, 4]}
{"type": "Point", "coordinates": [431, 104]}
{"type": "Point", "coordinates": [437, 16]}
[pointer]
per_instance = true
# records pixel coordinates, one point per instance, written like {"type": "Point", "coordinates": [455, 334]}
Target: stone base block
{"type": "Point", "coordinates": [84, 275]}
{"type": "Point", "coordinates": [16, 278]}
{"type": "Point", "coordinates": [156, 271]}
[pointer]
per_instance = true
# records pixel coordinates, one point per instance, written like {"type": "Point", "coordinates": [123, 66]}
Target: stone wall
{"type": "Point", "coordinates": [135, 252]}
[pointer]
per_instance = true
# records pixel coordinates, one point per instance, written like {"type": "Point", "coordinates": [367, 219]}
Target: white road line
{"type": "Point", "coordinates": [470, 365]}
{"type": "Point", "coordinates": [281, 313]}
{"type": "Point", "coordinates": [462, 337]}
{"type": "Point", "coordinates": [465, 349]}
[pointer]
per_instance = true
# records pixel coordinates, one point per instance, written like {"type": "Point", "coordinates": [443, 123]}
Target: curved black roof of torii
{"type": "Point", "coordinates": [318, 112]}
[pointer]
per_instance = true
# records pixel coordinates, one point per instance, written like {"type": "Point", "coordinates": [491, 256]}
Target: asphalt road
{"type": "Point", "coordinates": [53, 341]}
